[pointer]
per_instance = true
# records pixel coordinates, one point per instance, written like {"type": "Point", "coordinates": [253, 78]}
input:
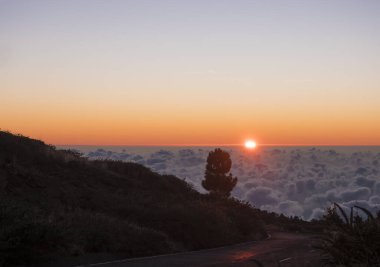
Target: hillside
{"type": "Point", "coordinates": [55, 203]}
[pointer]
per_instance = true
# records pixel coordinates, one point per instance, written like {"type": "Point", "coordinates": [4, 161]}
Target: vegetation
{"type": "Point", "coordinates": [56, 203]}
{"type": "Point", "coordinates": [218, 180]}
{"type": "Point", "coordinates": [350, 240]}
{"type": "Point", "coordinates": [280, 222]}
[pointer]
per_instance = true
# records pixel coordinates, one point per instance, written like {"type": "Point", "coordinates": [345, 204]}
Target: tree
{"type": "Point", "coordinates": [218, 180]}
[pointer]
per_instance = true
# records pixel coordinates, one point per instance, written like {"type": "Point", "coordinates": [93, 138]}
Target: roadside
{"type": "Point", "coordinates": [282, 249]}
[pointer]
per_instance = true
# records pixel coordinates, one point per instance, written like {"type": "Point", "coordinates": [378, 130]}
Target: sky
{"type": "Point", "coordinates": [191, 72]}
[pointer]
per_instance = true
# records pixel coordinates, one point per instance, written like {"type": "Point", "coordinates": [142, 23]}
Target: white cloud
{"type": "Point", "coordinates": [361, 193]}
{"type": "Point", "coordinates": [298, 182]}
{"type": "Point", "coordinates": [260, 196]}
{"type": "Point", "coordinates": [291, 208]}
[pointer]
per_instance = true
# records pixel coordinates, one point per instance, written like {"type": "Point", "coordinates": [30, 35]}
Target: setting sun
{"type": "Point", "coordinates": [250, 144]}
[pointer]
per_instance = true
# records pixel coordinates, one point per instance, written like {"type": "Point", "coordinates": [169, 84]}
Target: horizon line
{"type": "Point", "coordinates": [222, 145]}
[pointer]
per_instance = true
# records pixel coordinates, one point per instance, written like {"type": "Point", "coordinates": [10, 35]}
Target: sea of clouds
{"type": "Point", "coordinates": [293, 181]}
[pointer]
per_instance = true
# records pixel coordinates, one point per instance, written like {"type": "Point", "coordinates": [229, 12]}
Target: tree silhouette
{"type": "Point", "coordinates": [217, 179]}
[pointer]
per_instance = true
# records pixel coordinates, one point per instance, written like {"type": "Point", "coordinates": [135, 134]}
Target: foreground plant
{"type": "Point", "coordinates": [350, 240]}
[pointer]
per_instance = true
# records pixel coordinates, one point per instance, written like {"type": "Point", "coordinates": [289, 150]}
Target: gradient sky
{"type": "Point", "coordinates": [191, 72]}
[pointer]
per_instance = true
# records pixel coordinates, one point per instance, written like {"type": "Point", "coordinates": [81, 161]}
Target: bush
{"type": "Point", "coordinates": [25, 236]}
{"type": "Point", "coordinates": [349, 240]}
{"type": "Point", "coordinates": [95, 232]}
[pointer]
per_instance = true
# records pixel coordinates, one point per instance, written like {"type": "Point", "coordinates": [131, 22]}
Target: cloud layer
{"type": "Point", "coordinates": [294, 181]}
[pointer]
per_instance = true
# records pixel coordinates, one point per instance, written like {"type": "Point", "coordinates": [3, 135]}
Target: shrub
{"type": "Point", "coordinates": [25, 236]}
{"type": "Point", "coordinates": [28, 235]}
{"type": "Point", "coordinates": [349, 240]}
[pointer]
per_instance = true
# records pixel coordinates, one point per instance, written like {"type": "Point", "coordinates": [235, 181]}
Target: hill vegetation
{"type": "Point", "coordinates": [55, 203]}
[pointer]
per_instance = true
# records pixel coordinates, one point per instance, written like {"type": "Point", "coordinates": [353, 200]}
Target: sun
{"type": "Point", "coordinates": [250, 144]}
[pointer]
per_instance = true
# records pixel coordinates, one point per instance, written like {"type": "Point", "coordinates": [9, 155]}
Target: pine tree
{"type": "Point", "coordinates": [218, 180]}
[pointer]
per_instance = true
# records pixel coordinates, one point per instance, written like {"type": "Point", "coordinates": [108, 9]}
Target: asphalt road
{"type": "Point", "coordinates": [281, 250]}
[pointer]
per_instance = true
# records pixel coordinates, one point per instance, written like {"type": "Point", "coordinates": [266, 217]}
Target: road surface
{"type": "Point", "coordinates": [282, 249]}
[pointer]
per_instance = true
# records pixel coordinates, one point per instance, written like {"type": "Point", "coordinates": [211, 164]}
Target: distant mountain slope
{"type": "Point", "coordinates": [54, 203]}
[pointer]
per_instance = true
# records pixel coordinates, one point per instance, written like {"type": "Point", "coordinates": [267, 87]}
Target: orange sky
{"type": "Point", "coordinates": [189, 72]}
{"type": "Point", "coordinates": [76, 125]}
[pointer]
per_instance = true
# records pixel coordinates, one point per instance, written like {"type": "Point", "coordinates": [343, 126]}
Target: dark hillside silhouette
{"type": "Point", "coordinates": [55, 202]}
